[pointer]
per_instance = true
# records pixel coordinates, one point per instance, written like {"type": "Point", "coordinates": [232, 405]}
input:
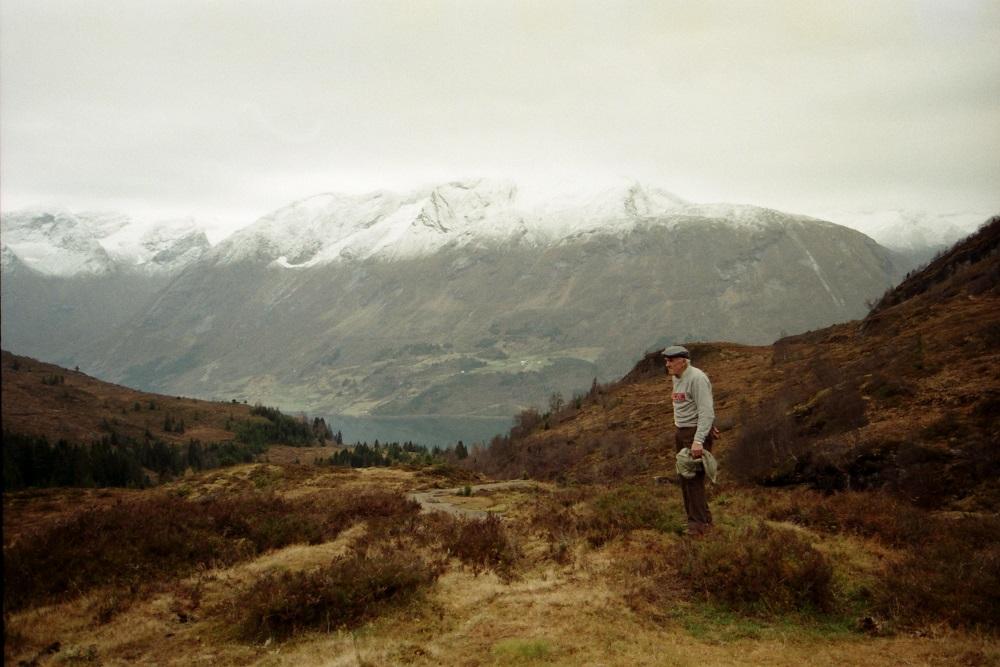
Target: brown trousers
{"type": "Point", "coordinates": [695, 501]}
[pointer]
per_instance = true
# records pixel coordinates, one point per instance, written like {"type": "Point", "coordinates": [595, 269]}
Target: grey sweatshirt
{"type": "Point", "coordinates": [693, 402]}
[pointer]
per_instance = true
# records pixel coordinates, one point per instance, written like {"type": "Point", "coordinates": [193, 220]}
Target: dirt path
{"type": "Point", "coordinates": [452, 502]}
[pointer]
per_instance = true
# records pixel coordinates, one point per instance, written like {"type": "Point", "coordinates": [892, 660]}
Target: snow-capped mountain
{"type": "Point", "coordinates": [57, 242]}
{"type": "Point", "coordinates": [384, 225]}
{"type": "Point", "coordinates": [387, 226]}
{"type": "Point", "coordinates": [912, 232]}
{"type": "Point", "coordinates": [70, 279]}
{"type": "Point", "coordinates": [164, 247]}
{"type": "Point", "coordinates": [474, 299]}
{"type": "Point", "coordinates": [466, 300]}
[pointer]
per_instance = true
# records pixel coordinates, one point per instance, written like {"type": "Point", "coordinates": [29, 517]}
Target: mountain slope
{"type": "Point", "coordinates": [486, 330]}
{"type": "Point", "coordinates": [69, 279]}
{"type": "Point", "coordinates": [915, 235]}
{"type": "Point", "coordinates": [46, 400]}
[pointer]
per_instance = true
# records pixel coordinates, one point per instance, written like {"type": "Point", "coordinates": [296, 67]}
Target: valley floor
{"type": "Point", "coordinates": [568, 601]}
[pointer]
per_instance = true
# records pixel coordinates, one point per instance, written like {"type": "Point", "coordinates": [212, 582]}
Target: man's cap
{"type": "Point", "coordinates": [676, 351]}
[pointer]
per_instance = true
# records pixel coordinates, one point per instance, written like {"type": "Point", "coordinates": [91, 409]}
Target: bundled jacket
{"type": "Point", "coordinates": [688, 466]}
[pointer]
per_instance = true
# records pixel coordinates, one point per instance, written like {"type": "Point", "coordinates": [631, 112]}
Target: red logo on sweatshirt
{"type": "Point", "coordinates": [679, 396]}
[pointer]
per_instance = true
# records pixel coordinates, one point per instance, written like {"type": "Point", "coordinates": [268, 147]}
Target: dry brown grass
{"type": "Point", "coordinates": [286, 454]}
{"type": "Point", "coordinates": [129, 548]}
{"type": "Point", "coordinates": [617, 603]}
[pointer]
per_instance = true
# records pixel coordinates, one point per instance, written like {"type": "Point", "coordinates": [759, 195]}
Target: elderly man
{"type": "Point", "coordinates": [694, 417]}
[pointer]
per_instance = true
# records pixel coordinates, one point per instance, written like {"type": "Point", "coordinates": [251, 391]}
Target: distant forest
{"type": "Point", "coordinates": [117, 460]}
{"type": "Point", "coordinates": [125, 461]}
{"type": "Point", "coordinates": [32, 461]}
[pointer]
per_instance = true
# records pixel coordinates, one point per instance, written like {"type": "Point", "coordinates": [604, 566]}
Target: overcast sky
{"type": "Point", "coordinates": [230, 109]}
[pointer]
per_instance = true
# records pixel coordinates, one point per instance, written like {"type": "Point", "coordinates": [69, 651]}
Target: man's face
{"type": "Point", "coordinates": [676, 365]}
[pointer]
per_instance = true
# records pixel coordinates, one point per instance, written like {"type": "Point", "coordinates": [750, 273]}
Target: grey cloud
{"type": "Point", "coordinates": [209, 105]}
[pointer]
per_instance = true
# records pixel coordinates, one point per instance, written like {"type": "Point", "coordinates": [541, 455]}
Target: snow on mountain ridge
{"type": "Point", "coordinates": [331, 227]}
{"type": "Point", "coordinates": [58, 242]}
{"type": "Point", "coordinates": [910, 230]}
{"type": "Point", "coordinates": [385, 225]}
{"type": "Point", "coordinates": [55, 242]}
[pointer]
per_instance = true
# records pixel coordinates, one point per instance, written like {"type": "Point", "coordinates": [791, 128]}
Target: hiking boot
{"type": "Point", "coordinates": [699, 529]}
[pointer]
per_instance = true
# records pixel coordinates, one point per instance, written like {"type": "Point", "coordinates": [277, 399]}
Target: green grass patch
{"type": "Point", "coordinates": [516, 651]}
{"type": "Point", "coordinates": [629, 508]}
{"type": "Point", "coordinates": [717, 623]}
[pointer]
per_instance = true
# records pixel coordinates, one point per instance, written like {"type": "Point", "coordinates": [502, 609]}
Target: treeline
{"type": "Point", "coordinates": [281, 428]}
{"type": "Point", "coordinates": [114, 460]}
{"type": "Point", "coordinates": [363, 455]}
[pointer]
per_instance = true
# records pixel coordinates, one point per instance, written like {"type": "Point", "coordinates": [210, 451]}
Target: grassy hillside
{"type": "Point", "coordinates": [47, 400]}
{"type": "Point", "coordinates": [64, 428]}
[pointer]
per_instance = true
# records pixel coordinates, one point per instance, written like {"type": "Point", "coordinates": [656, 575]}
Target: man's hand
{"type": "Point", "coordinates": [696, 450]}
{"type": "Point", "coordinates": [716, 433]}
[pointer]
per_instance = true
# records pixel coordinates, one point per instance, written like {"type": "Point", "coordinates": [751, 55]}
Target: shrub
{"type": "Point", "coordinates": [757, 569]}
{"type": "Point", "coordinates": [628, 508]}
{"type": "Point", "coordinates": [869, 514]}
{"type": "Point", "coordinates": [482, 544]}
{"type": "Point", "coordinates": [341, 510]}
{"type": "Point", "coordinates": [619, 457]}
{"type": "Point", "coordinates": [556, 515]}
{"type": "Point", "coordinates": [343, 594]}
{"type": "Point", "coordinates": [840, 410]}
{"type": "Point", "coordinates": [648, 573]}
{"type": "Point", "coordinates": [890, 389]}
{"type": "Point", "coordinates": [525, 422]}
{"type": "Point", "coordinates": [768, 441]}
{"type": "Point", "coordinates": [988, 405]}
{"type": "Point", "coordinates": [262, 521]}
{"type": "Point", "coordinates": [114, 546]}
{"type": "Point", "coordinates": [537, 457]}
{"type": "Point", "coordinates": [154, 539]}
{"type": "Point", "coordinates": [113, 602]}
{"type": "Point", "coordinates": [952, 576]}
{"type": "Point", "coordinates": [948, 425]}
